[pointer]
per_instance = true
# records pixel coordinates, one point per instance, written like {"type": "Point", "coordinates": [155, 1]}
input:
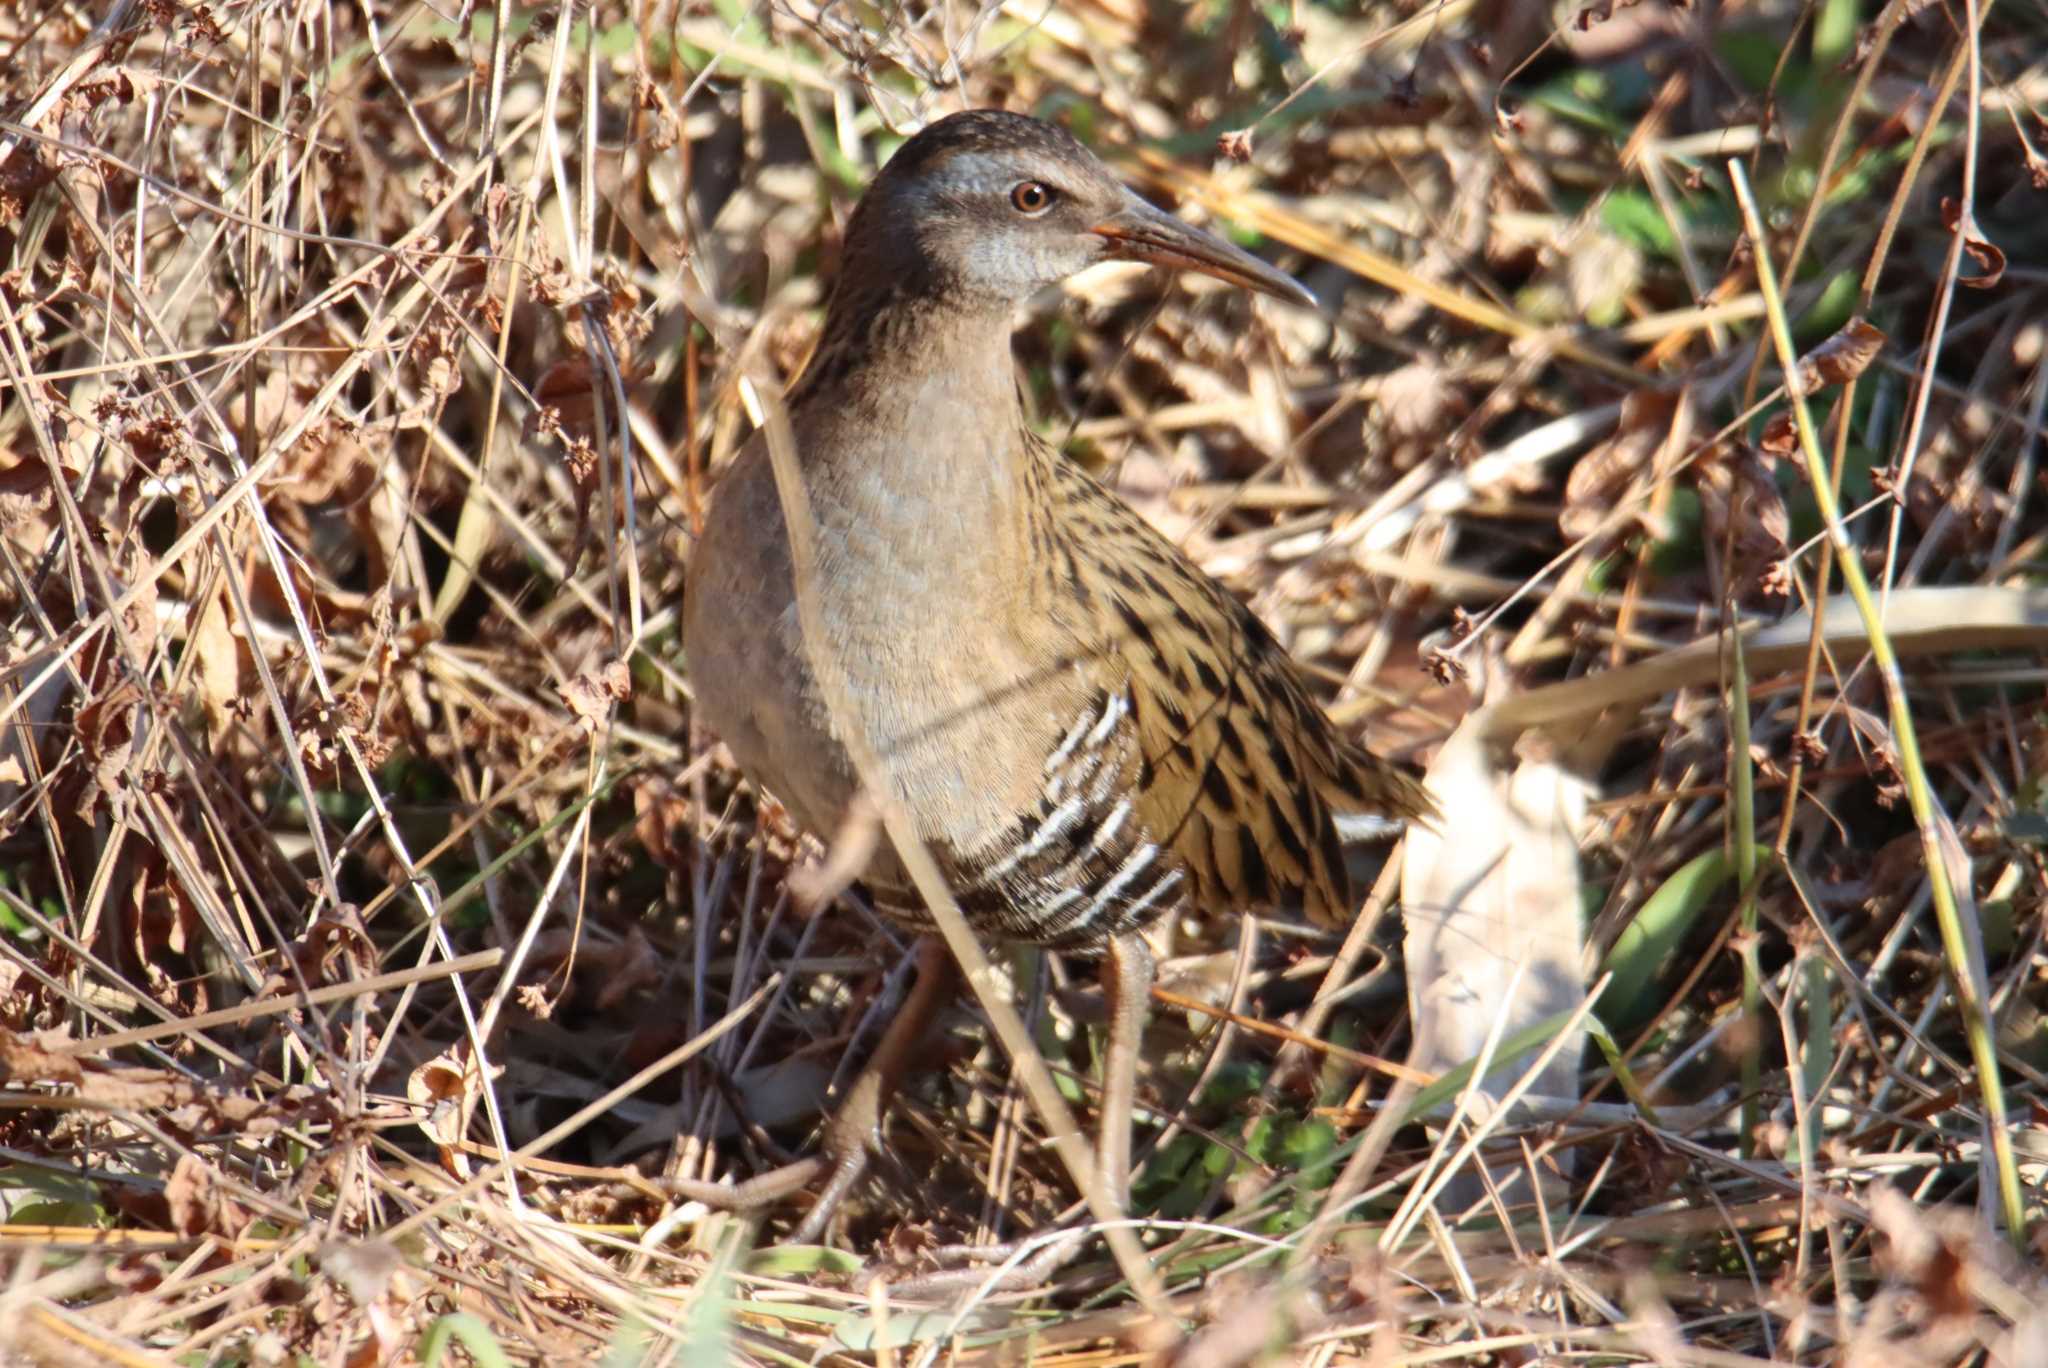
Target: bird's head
{"type": "Point", "coordinates": [996, 206]}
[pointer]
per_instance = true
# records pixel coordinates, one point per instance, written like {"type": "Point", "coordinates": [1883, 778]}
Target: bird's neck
{"type": "Point", "coordinates": [892, 337]}
{"type": "Point", "coordinates": [911, 399]}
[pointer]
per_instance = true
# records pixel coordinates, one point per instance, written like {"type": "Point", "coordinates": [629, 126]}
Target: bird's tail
{"type": "Point", "coordinates": [1373, 798]}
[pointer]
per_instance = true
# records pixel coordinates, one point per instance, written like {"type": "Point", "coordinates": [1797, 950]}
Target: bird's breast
{"type": "Point", "coordinates": [919, 579]}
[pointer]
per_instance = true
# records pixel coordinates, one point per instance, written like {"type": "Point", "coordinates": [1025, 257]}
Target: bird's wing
{"type": "Point", "coordinates": [1240, 773]}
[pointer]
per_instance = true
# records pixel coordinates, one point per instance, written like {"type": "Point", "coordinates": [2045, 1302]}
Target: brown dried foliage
{"type": "Point", "coordinates": [340, 602]}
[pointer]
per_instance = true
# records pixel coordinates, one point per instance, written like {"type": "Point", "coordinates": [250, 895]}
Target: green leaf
{"type": "Point", "coordinates": [476, 1338]}
{"type": "Point", "coordinates": [1633, 216]}
{"type": "Point", "coordinates": [861, 1335]}
{"type": "Point", "coordinates": [1517, 1046]}
{"type": "Point", "coordinates": [36, 1196]}
{"type": "Point", "coordinates": [1657, 930]}
{"type": "Point", "coordinates": [1308, 1143]}
{"type": "Point", "coordinates": [707, 1327]}
{"type": "Point", "coordinates": [794, 1260]}
{"type": "Point", "coordinates": [1832, 309]}
{"type": "Point", "coordinates": [1262, 1143]}
{"type": "Point", "coordinates": [1680, 552]}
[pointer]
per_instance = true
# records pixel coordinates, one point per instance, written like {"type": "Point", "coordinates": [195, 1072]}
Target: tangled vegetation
{"type": "Point", "coordinates": [375, 931]}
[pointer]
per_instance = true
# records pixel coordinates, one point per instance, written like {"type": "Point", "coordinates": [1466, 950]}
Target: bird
{"type": "Point", "coordinates": [1084, 729]}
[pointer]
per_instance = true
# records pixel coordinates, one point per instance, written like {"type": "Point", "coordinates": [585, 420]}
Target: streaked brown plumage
{"type": "Point", "coordinates": [1085, 729]}
{"type": "Point", "coordinates": [1193, 726]}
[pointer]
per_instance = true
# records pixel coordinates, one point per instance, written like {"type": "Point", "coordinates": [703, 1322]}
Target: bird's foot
{"type": "Point", "coordinates": [762, 1190]}
{"type": "Point", "coordinates": [839, 1168]}
{"type": "Point", "coordinates": [984, 1270]}
{"type": "Point", "coordinates": [854, 1126]}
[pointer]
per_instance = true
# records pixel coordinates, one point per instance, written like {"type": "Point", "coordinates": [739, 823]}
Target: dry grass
{"type": "Point", "coordinates": [354, 833]}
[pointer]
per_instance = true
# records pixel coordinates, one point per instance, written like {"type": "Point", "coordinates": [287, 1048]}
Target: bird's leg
{"type": "Point", "coordinates": [859, 1119]}
{"type": "Point", "coordinates": [853, 1127]}
{"type": "Point", "coordinates": [1127, 974]}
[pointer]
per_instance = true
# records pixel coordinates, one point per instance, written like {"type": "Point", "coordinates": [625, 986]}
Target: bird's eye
{"type": "Point", "coordinates": [1031, 197]}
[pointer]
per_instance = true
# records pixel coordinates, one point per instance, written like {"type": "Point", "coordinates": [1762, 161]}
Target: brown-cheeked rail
{"type": "Point", "coordinates": [1085, 730]}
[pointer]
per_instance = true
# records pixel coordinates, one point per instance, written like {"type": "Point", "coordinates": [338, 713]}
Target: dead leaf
{"type": "Point", "coordinates": [446, 1090]}
{"type": "Point", "coordinates": [590, 696]}
{"type": "Point", "coordinates": [1990, 260]}
{"type": "Point", "coordinates": [634, 966]}
{"type": "Point", "coordinates": [1841, 358]}
{"type": "Point", "coordinates": [30, 169]}
{"type": "Point", "coordinates": [218, 653]}
{"type": "Point", "coordinates": [26, 505]}
{"type": "Point", "coordinates": [660, 814]}
{"type": "Point", "coordinates": [329, 462]}
{"type": "Point", "coordinates": [335, 948]}
{"type": "Point", "coordinates": [1416, 400]}
{"type": "Point", "coordinates": [34, 1057]}
{"type": "Point", "coordinates": [1600, 478]}
{"type": "Point", "coordinates": [1780, 435]}
{"type": "Point", "coordinates": [52, 1057]}
{"type": "Point", "coordinates": [199, 1202]}
{"type": "Point", "coordinates": [1492, 901]}
{"type": "Point", "coordinates": [105, 729]}
{"type": "Point", "coordinates": [1744, 512]}
{"type": "Point", "coordinates": [1931, 1251]}
{"type": "Point", "coordinates": [364, 1267]}
{"type": "Point", "coordinates": [324, 733]}
{"type": "Point", "coordinates": [1601, 271]}
{"type": "Point", "coordinates": [567, 393]}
